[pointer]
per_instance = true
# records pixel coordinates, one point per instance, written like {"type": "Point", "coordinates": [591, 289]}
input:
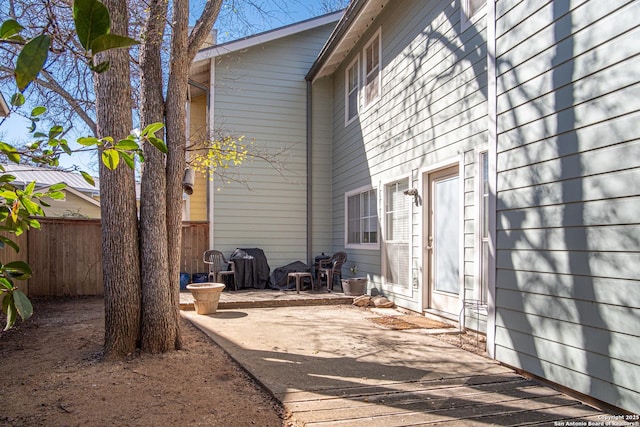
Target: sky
{"type": "Point", "coordinates": [235, 21]}
{"type": "Point", "coordinates": [268, 14]}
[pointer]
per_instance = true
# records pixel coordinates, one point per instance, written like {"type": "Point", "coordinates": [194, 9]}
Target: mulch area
{"type": "Point", "coordinates": [404, 322]}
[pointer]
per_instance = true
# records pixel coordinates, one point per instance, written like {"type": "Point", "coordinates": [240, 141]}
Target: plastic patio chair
{"type": "Point", "coordinates": [331, 267]}
{"type": "Point", "coordinates": [219, 267]}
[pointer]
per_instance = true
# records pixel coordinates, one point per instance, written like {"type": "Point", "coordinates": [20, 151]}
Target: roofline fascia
{"type": "Point", "coordinates": [267, 36]}
{"type": "Point", "coordinates": [341, 29]}
{"type": "Point", "coordinates": [78, 193]}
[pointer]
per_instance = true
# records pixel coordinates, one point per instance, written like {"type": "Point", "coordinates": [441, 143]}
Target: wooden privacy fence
{"type": "Point", "coordinates": [66, 256]}
{"type": "Point", "coordinates": [195, 240]}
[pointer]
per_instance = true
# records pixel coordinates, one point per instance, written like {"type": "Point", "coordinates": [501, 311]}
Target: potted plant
{"type": "Point", "coordinates": [354, 286]}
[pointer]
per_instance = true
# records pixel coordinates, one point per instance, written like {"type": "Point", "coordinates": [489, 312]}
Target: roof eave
{"type": "Point", "coordinates": [341, 29]}
{"type": "Point", "coordinates": [267, 36]}
{"type": "Point", "coordinates": [356, 20]}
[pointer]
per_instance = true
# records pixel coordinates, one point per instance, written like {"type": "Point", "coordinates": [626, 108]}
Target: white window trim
{"type": "Point", "coordinates": [366, 246]}
{"type": "Point", "coordinates": [467, 21]}
{"type": "Point", "coordinates": [391, 287]}
{"type": "Point", "coordinates": [356, 63]}
{"type": "Point", "coordinates": [479, 151]}
{"type": "Point", "coordinates": [378, 34]}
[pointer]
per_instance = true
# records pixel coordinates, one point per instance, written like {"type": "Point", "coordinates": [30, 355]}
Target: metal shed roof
{"type": "Point", "coordinates": [45, 177]}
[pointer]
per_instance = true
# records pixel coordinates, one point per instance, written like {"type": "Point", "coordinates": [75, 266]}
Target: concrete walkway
{"type": "Point", "coordinates": [330, 366]}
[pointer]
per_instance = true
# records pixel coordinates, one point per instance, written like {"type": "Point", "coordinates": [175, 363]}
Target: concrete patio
{"type": "Point", "coordinates": [330, 365]}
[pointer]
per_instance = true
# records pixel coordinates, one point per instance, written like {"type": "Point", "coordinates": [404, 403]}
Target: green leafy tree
{"type": "Point", "coordinates": [148, 319]}
{"type": "Point", "coordinates": [19, 206]}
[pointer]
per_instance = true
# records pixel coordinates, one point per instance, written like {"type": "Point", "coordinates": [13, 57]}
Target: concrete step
{"type": "Point", "coordinates": [262, 298]}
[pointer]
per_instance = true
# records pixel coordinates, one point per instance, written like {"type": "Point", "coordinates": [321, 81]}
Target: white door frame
{"type": "Point", "coordinates": [426, 194]}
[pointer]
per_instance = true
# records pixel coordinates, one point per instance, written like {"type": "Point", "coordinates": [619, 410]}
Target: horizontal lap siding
{"type": "Point", "coordinates": [568, 193]}
{"type": "Point", "coordinates": [72, 206]}
{"type": "Point", "coordinates": [433, 108]}
{"type": "Point", "coordinates": [322, 166]}
{"type": "Point", "coordinates": [198, 133]}
{"type": "Point", "coordinates": [260, 93]}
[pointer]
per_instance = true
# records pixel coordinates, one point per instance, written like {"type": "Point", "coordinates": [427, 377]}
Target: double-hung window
{"type": "Point", "coordinates": [372, 69]}
{"type": "Point", "coordinates": [371, 76]}
{"type": "Point", "coordinates": [352, 78]}
{"type": "Point", "coordinates": [396, 235]}
{"type": "Point", "coordinates": [362, 219]}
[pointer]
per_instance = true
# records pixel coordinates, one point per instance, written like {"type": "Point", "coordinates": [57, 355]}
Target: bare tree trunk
{"type": "Point", "coordinates": [160, 326]}
{"type": "Point", "coordinates": [176, 137]}
{"type": "Point", "coordinates": [157, 259]}
{"type": "Point", "coordinates": [184, 46]}
{"type": "Point", "coordinates": [121, 264]}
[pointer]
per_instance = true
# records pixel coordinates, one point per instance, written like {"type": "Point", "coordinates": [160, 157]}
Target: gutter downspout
{"type": "Point", "coordinates": [309, 174]}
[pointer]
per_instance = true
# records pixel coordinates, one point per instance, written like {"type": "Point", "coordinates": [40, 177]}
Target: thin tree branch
{"type": "Point", "coordinates": [203, 27]}
{"type": "Point", "coordinates": [52, 84]}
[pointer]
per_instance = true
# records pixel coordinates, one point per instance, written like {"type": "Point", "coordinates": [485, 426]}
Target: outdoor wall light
{"type": "Point", "coordinates": [413, 192]}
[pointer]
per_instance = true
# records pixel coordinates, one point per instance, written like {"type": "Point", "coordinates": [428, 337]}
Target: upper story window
{"type": "Point", "coordinates": [372, 69]}
{"type": "Point", "coordinates": [467, 11]}
{"type": "Point", "coordinates": [371, 75]}
{"type": "Point", "coordinates": [362, 219]}
{"type": "Point", "coordinates": [352, 78]}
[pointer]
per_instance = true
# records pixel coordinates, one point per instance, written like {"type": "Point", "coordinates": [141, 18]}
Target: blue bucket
{"type": "Point", "coordinates": [199, 277]}
{"type": "Point", "coordinates": [184, 281]}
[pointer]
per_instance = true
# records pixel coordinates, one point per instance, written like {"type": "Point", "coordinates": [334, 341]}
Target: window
{"type": "Point", "coordinates": [372, 72]}
{"type": "Point", "coordinates": [396, 235]}
{"type": "Point", "coordinates": [352, 79]}
{"type": "Point", "coordinates": [484, 226]}
{"type": "Point", "coordinates": [362, 219]}
{"type": "Point", "coordinates": [468, 9]}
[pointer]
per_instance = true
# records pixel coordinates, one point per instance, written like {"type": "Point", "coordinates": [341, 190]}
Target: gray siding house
{"type": "Point", "coordinates": [256, 90]}
{"type": "Point", "coordinates": [567, 186]}
{"type": "Point", "coordinates": [477, 160]}
{"type": "Point", "coordinates": [409, 116]}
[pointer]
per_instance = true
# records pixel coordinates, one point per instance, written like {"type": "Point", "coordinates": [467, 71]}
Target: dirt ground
{"type": "Point", "coordinates": [52, 375]}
